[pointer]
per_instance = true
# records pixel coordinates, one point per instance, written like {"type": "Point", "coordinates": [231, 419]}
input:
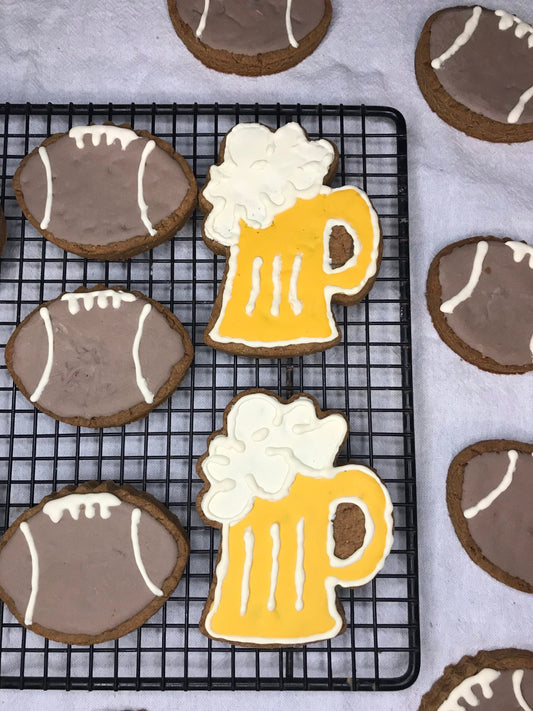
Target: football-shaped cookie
{"type": "Point", "coordinates": [490, 500]}
{"type": "Point", "coordinates": [499, 680]}
{"type": "Point", "coordinates": [99, 357]}
{"type": "Point", "coordinates": [480, 297]}
{"type": "Point", "coordinates": [474, 67]}
{"type": "Point", "coordinates": [92, 563]}
{"type": "Point", "coordinates": [250, 37]}
{"type": "Point", "coordinates": [105, 192]}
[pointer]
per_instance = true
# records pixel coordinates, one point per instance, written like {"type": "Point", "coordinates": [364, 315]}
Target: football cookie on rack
{"type": "Point", "coordinates": [479, 294]}
{"type": "Point", "coordinates": [474, 67]}
{"type": "Point", "coordinates": [293, 245]}
{"type": "Point", "coordinates": [293, 525]}
{"type": "Point", "coordinates": [92, 563]}
{"type": "Point", "coordinates": [490, 501]}
{"type": "Point", "coordinates": [501, 679]}
{"type": "Point", "coordinates": [250, 37]}
{"type": "Point", "coordinates": [99, 357]}
{"type": "Point", "coordinates": [105, 192]}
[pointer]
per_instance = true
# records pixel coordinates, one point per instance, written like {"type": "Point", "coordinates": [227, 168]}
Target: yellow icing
{"type": "Point", "coordinates": [309, 498]}
{"type": "Point", "coordinates": [298, 231]}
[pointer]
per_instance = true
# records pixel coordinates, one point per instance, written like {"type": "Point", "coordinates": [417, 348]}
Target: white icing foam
{"type": "Point", "coordinates": [143, 207]}
{"type": "Point", "coordinates": [288, 24]}
{"type": "Point", "coordinates": [274, 571]}
{"type": "Point", "coordinates": [469, 29]}
{"type": "Point", "coordinates": [73, 503]}
{"type": "Point", "coordinates": [147, 394]}
{"type": "Point", "coordinates": [203, 20]}
{"type": "Point", "coordinates": [502, 486]}
{"type": "Point", "coordinates": [518, 110]}
{"type": "Point", "coordinates": [249, 541]}
{"type": "Point", "coordinates": [294, 302]}
{"type": "Point", "coordinates": [101, 298]}
{"type": "Point", "coordinates": [45, 377]}
{"type": "Point", "coordinates": [466, 292]}
{"type": "Point", "coordinates": [299, 571]}
{"type": "Point", "coordinates": [256, 285]}
{"type": "Point", "coordinates": [43, 153]}
{"type": "Point", "coordinates": [135, 520]}
{"type": "Point", "coordinates": [464, 694]}
{"type": "Point", "coordinates": [111, 133]}
{"type": "Point", "coordinates": [28, 617]}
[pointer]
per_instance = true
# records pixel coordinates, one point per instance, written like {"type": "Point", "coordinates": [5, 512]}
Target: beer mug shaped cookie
{"type": "Point", "coordinates": [293, 245]}
{"type": "Point", "coordinates": [293, 525]}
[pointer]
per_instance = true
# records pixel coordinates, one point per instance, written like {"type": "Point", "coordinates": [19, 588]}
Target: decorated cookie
{"type": "Point", "coordinates": [293, 525]}
{"type": "Point", "coordinates": [293, 245]}
{"type": "Point", "coordinates": [475, 69]}
{"type": "Point", "coordinates": [99, 357]}
{"type": "Point", "coordinates": [105, 192]}
{"type": "Point", "coordinates": [480, 297]}
{"type": "Point", "coordinates": [490, 484]}
{"type": "Point", "coordinates": [499, 680]}
{"type": "Point", "coordinates": [92, 563]}
{"type": "Point", "coordinates": [250, 37]}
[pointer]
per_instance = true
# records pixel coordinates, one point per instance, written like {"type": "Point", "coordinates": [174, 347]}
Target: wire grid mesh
{"type": "Point", "coordinates": [367, 376]}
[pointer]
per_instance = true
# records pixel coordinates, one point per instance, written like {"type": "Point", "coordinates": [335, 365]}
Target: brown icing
{"type": "Point", "coordinates": [93, 373]}
{"type": "Point", "coordinates": [88, 579]}
{"type": "Point", "coordinates": [95, 189]}
{"type": "Point", "coordinates": [491, 71]}
{"type": "Point", "coordinates": [488, 320]}
{"type": "Point", "coordinates": [512, 552]}
{"type": "Point", "coordinates": [251, 27]}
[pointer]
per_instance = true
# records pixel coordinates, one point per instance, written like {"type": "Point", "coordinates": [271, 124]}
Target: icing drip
{"type": "Point", "coordinates": [89, 298]}
{"type": "Point", "coordinates": [295, 303]}
{"type": "Point", "coordinates": [299, 572]}
{"type": "Point", "coordinates": [143, 207]}
{"type": "Point", "coordinates": [276, 281]}
{"type": "Point", "coordinates": [522, 28]}
{"type": "Point", "coordinates": [203, 20]}
{"type": "Point", "coordinates": [111, 133]}
{"type": "Point", "coordinates": [288, 22]}
{"type": "Point", "coordinates": [518, 675]}
{"type": "Point", "coordinates": [73, 503]}
{"type": "Point", "coordinates": [463, 693]}
{"type": "Point", "coordinates": [141, 380]}
{"type": "Point", "coordinates": [518, 110]}
{"type": "Point", "coordinates": [504, 484]}
{"type": "Point", "coordinates": [45, 377]}
{"type": "Point", "coordinates": [249, 541]}
{"type": "Point", "coordinates": [43, 153]}
{"type": "Point", "coordinates": [520, 251]}
{"type": "Point", "coordinates": [274, 572]}
{"type": "Point", "coordinates": [256, 285]}
{"type": "Point", "coordinates": [466, 292]}
{"type": "Point", "coordinates": [28, 617]}
{"type": "Point", "coordinates": [464, 37]}
{"type": "Point", "coordinates": [135, 520]}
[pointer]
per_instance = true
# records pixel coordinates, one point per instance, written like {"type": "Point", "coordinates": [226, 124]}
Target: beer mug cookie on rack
{"type": "Point", "coordinates": [293, 525]}
{"type": "Point", "coordinates": [250, 37]}
{"type": "Point", "coordinates": [293, 245]}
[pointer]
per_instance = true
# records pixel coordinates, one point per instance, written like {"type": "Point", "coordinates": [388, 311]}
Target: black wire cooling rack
{"type": "Point", "coordinates": [367, 376]}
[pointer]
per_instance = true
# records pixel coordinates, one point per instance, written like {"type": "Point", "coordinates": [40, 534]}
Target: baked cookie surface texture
{"type": "Point", "coordinates": [105, 192]}
{"type": "Point", "coordinates": [100, 357]}
{"type": "Point", "coordinates": [474, 67]}
{"type": "Point", "coordinates": [498, 680]}
{"type": "Point", "coordinates": [250, 37]}
{"type": "Point", "coordinates": [92, 563]}
{"type": "Point", "coordinates": [293, 525]}
{"type": "Point", "coordinates": [490, 501]}
{"type": "Point", "coordinates": [480, 298]}
{"type": "Point", "coordinates": [293, 245]}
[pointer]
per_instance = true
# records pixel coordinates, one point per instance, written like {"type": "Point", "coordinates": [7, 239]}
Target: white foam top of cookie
{"type": "Point", "coordinates": [263, 173]}
{"type": "Point", "coordinates": [267, 444]}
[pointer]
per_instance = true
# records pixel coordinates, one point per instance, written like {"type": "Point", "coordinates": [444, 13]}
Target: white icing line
{"type": "Point", "coordinates": [45, 377]}
{"type": "Point", "coordinates": [203, 20]}
{"type": "Point", "coordinates": [464, 691]}
{"type": "Point", "coordinates": [449, 306]}
{"type": "Point", "coordinates": [143, 207]}
{"type": "Point", "coordinates": [518, 675]}
{"type": "Point", "coordinates": [43, 153]}
{"type": "Point", "coordinates": [274, 571]}
{"type": "Point", "coordinates": [28, 617]}
{"type": "Point", "coordinates": [101, 297]}
{"type": "Point", "coordinates": [288, 23]}
{"type": "Point", "coordinates": [464, 37]}
{"type": "Point", "coordinates": [522, 28]}
{"type": "Point", "coordinates": [141, 381]}
{"type": "Point", "coordinates": [249, 541]}
{"type": "Point", "coordinates": [256, 285]}
{"type": "Point", "coordinates": [72, 503]}
{"type": "Point", "coordinates": [520, 251]}
{"type": "Point", "coordinates": [111, 133]}
{"type": "Point", "coordinates": [493, 495]}
{"type": "Point", "coordinates": [518, 110]}
{"type": "Point", "coordinates": [276, 283]}
{"type": "Point", "coordinates": [299, 572]}
{"type": "Point", "coordinates": [295, 303]}
{"type": "Point", "coordinates": [135, 520]}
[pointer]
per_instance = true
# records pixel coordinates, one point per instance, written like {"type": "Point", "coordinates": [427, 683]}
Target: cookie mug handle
{"type": "Point", "coordinates": [360, 220]}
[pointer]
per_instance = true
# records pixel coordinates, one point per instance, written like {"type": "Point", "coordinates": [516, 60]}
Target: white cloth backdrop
{"type": "Point", "coordinates": [126, 50]}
